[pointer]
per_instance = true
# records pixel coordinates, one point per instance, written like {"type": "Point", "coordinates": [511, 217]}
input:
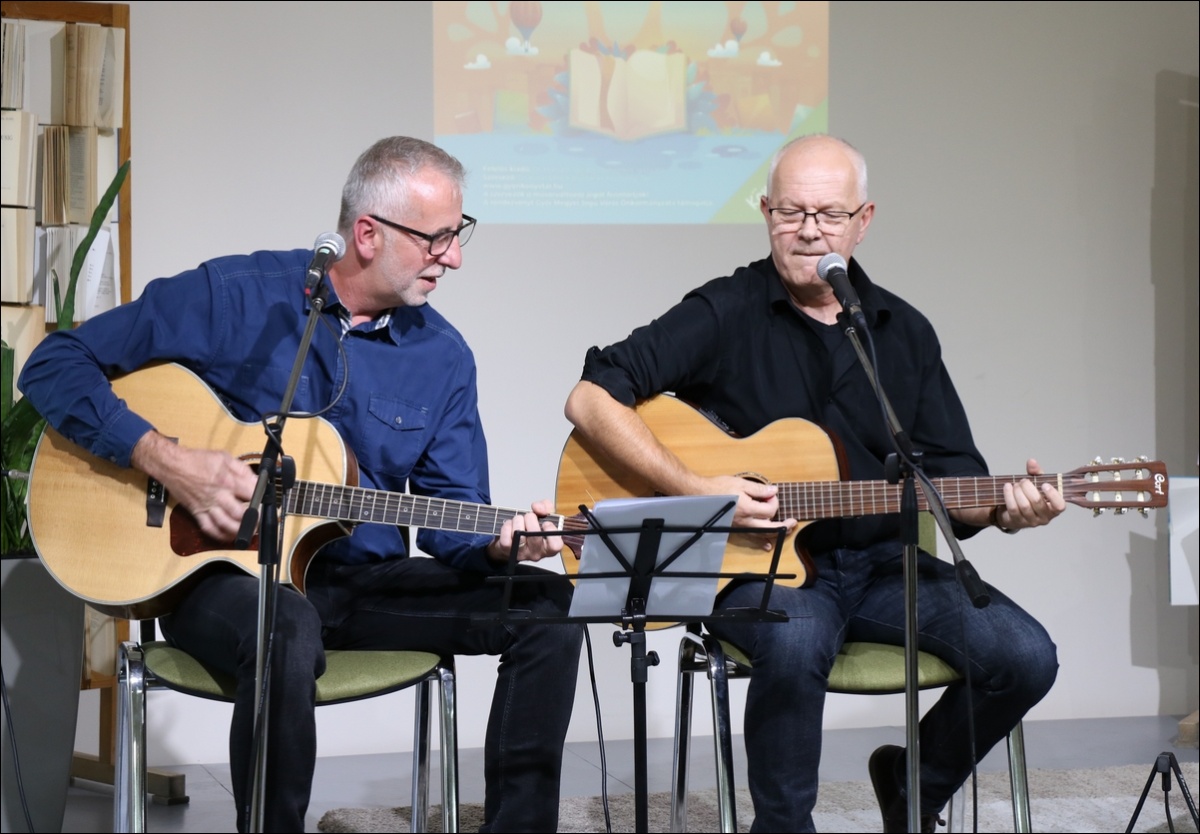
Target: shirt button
{"type": "Point", "coordinates": [399, 420]}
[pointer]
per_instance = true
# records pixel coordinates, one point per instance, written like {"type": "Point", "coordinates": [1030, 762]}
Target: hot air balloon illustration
{"type": "Point", "coordinates": [738, 27]}
{"type": "Point", "coordinates": [526, 17]}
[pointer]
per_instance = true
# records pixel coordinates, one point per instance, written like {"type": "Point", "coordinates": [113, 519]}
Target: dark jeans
{"type": "Point", "coordinates": [414, 604]}
{"type": "Point", "coordinates": [859, 595]}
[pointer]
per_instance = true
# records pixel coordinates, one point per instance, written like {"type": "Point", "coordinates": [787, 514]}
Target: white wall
{"type": "Point", "coordinates": [1015, 153]}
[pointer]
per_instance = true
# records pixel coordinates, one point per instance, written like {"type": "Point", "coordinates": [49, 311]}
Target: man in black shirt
{"type": "Point", "coordinates": [764, 344]}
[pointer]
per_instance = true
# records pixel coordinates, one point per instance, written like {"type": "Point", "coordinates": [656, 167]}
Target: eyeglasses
{"type": "Point", "coordinates": [787, 220]}
{"type": "Point", "coordinates": [438, 243]}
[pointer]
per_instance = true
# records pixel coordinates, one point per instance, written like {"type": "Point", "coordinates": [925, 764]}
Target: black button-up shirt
{"type": "Point", "coordinates": [738, 349]}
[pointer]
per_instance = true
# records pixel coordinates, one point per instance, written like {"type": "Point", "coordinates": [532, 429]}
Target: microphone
{"type": "Point", "coordinates": [832, 270]}
{"type": "Point", "coordinates": [329, 248]}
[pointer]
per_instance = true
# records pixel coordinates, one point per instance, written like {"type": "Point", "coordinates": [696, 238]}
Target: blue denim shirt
{"type": "Point", "coordinates": [409, 412]}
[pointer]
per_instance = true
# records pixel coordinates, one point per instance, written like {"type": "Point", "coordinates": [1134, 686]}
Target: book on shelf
{"type": "Point", "coordinates": [45, 70]}
{"type": "Point", "coordinates": [53, 186]}
{"type": "Point", "coordinates": [35, 68]}
{"type": "Point", "coordinates": [94, 77]}
{"type": "Point", "coordinates": [18, 157]}
{"type": "Point", "coordinates": [66, 73]}
{"type": "Point", "coordinates": [91, 166]}
{"type": "Point", "coordinates": [100, 277]}
{"type": "Point", "coordinates": [16, 254]}
{"type": "Point", "coordinates": [12, 65]}
{"type": "Point", "coordinates": [76, 166]}
{"type": "Point", "coordinates": [96, 288]}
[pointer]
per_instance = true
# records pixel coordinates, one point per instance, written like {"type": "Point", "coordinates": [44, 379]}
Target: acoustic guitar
{"type": "Point", "coordinates": [803, 461]}
{"type": "Point", "coordinates": [112, 537]}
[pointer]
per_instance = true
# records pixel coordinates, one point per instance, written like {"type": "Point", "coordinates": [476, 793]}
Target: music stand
{"type": "Point", "coordinates": [662, 538]}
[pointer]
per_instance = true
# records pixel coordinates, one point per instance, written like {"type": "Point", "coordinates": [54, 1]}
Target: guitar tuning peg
{"type": "Point", "coordinates": [1118, 461]}
{"type": "Point", "coordinates": [1097, 511]}
{"type": "Point", "coordinates": [1145, 513]}
{"type": "Point", "coordinates": [1120, 510]}
{"type": "Point", "coordinates": [1143, 459]}
{"type": "Point", "coordinates": [1097, 461]}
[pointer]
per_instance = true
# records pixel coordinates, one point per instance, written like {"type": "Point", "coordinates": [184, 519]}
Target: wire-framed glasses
{"type": "Point", "coordinates": [786, 220]}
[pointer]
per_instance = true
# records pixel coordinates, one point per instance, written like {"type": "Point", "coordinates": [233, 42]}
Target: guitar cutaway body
{"type": "Point", "coordinates": [786, 450]}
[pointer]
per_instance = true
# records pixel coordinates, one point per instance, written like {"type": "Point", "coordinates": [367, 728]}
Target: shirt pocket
{"type": "Point", "coordinates": [396, 434]}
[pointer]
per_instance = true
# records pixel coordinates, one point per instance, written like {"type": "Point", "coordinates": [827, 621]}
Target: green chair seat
{"type": "Point", "coordinates": [879, 667]}
{"type": "Point", "coordinates": [862, 668]}
{"type": "Point", "coordinates": [349, 675]}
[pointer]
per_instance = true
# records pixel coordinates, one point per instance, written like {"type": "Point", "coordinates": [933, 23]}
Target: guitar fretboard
{"type": "Point", "coordinates": [812, 500]}
{"type": "Point", "coordinates": [361, 505]}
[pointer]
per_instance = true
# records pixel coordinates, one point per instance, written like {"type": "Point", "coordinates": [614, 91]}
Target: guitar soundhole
{"type": "Point", "coordinates": [187, 539]}
{"type": "Point", "coordinates": [754, 476]}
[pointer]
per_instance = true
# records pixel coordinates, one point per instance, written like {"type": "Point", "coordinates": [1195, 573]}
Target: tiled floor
{"type": "Point", "coordinates": [382, 780]}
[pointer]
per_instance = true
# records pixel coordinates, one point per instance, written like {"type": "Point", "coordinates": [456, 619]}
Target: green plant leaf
{"type": "Point", "coordinates": [58, 300]}
{"type": "Point", "coordinates": [66, 313]}
{"type": "Point", "coordinates": [7, 363]}
{"type": "Point", "coordinates": [20, 422]}
{"type": "Point", "coordinates": [22, 427]}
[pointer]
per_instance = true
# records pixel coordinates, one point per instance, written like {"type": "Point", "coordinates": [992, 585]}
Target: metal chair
{"type": "Point", "coordinates": [349, 676]}
{"type": "Point", "coordinates": [860, 668]}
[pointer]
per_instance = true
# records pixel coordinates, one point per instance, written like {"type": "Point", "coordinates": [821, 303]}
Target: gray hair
{"type": "Point", "coordinates": [379, 179]}
{"type": "Point", "coordinates": [856, 158]}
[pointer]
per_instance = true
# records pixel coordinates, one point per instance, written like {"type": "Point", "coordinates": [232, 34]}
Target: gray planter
{"type": "Point", "coordinates": [42, 646]}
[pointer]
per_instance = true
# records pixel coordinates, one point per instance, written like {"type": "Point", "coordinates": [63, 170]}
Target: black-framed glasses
{"type": "Point", "coordinates": [439, 243]}
{"type": "Point", "coordinates": [786, 220]}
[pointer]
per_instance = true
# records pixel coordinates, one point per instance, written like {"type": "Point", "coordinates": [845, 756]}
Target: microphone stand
{"type": "Point", "coordinates": [905, 464]}
{"type": "Point", "coordinates": [272, 464]}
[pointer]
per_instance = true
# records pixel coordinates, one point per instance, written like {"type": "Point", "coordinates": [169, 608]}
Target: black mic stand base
{"type": "Point", "coordinates": [1164, 766]}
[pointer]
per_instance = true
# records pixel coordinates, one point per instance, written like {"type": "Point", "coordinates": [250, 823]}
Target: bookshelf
{"type": "Point", "coordinates": [24, 326]}
{"type": "Point", "coordinates": [105, 14]}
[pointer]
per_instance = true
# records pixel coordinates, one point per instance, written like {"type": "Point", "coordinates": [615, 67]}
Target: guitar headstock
{"type": "Point", "coordinates": [1119, 485]}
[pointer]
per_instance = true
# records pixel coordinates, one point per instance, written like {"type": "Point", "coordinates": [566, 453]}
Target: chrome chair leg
{"type": "Point", "coordinates": [419, 820]}
{"type": "Point", "coordinates": [1018, 781]}
{"type": "Point", "coordinates": [718, 677]}
{"type": "Point", "coordinates": [129, 774]}
{"type": "Point", "coordinates": [443, 676]}
{"type": "Point", "coordinates": [956, 808]}
{"type": "Point", "coordinates": [449, 704]}
{"type": "Point", "coordinates": [683, 731]}
{"type": "Point", "coordinates": [714, 662]}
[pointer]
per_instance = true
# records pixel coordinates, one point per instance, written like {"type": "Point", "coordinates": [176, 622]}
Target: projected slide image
{"type": "Point", "coordinates": [625, 112]}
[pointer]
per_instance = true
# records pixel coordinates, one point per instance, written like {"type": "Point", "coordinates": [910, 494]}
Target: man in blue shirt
{"type": "Point", "coordinates": [398, 383]}
{"type": "Point", "coordinates": [762, 345]}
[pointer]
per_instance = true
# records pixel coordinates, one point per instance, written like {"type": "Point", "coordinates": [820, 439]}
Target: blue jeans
{"type": "Point", "coordinates": [859, 596]}
{"type": "Point", "coordinates": [402, 604]}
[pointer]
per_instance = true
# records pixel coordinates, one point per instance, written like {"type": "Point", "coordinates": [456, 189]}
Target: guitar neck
{"type": "Point", "coordinates": [361, 505]}
{"type": "Point", "coordinates": [813, 500]}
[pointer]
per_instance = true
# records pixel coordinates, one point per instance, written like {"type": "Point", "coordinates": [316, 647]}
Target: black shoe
{"type": "Point", "coordinates": [884, 767]}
